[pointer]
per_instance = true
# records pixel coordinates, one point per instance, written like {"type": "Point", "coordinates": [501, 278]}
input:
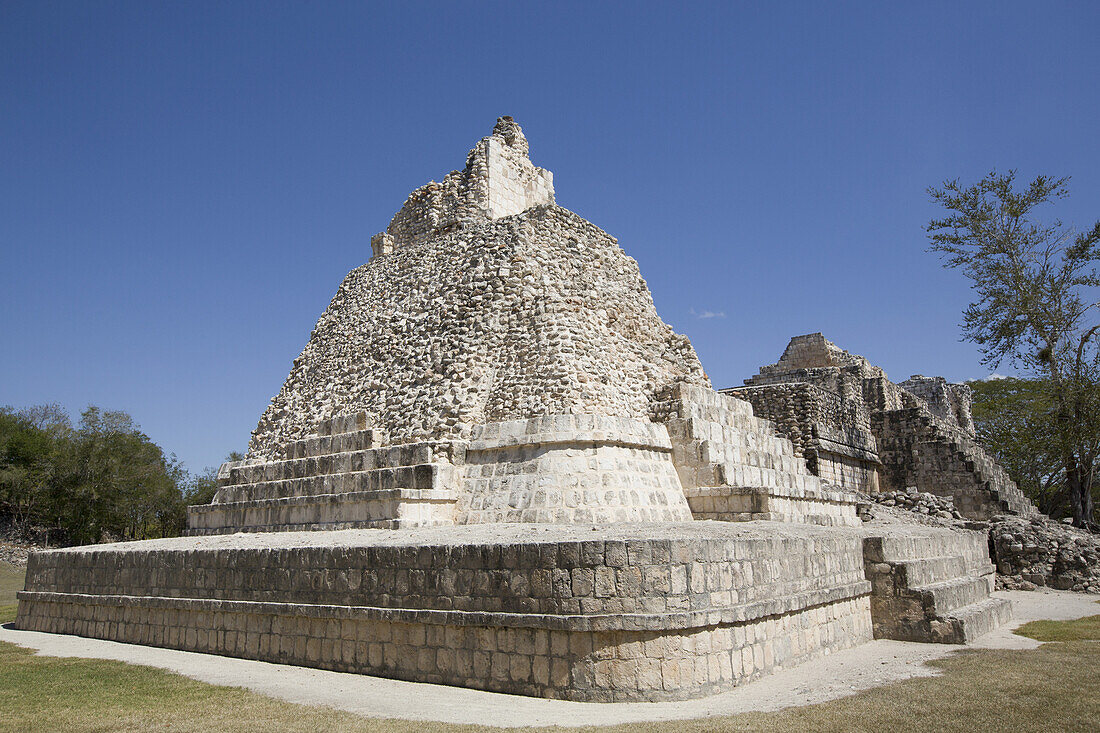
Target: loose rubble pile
{"type": "Point", "coordinates": [1042, 552]}
{"type": "Point", "coordinates": [942, 507]}
{"type": "Point", "coordinates": [15, 554]}
{"type": "Point", "coordinates": [16, 544]}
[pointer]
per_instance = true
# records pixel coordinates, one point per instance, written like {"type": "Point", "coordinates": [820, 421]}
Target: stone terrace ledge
{"type": "Point", "coordinates": [659, 611]}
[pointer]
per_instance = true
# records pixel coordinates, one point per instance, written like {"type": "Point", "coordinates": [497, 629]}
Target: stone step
{"type": "Point", "coordinates": [697, 427]}
{"type": "Point", "coordinates": [756, 477]}
{"type": "Point", "coordinates": [743, 504]}
{"type": "Point", "coordinates": [360, 460]}
{"type": "Point", "coordinates": [970, 622]}
{"type": "Point", "coordinates": [896, 548]}
{"type": "Point", "coordinates": [944, 598]}
{"type": "Point", "coordinates": [323, 445]}
{"type": "Point", "coordinates": [385, 509]}
{"type": "Point", "coordinates": [421, 476]}
{"type": "Point", "coordinates": [711, 415]}
{"type": "Point", "coordinates": [931, 570]}
{"type": "Point", "coordinates": [707, 452]}
{"type": "Point", "coordinates": [720, 439]}
{"type": "Point", "coordinates": [699, 398]}
{"type": "Point", "coordinates": [978, 619]}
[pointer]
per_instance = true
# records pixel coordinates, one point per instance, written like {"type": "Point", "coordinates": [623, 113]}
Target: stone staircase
{"type": "Point", "coordinates": [343, 477]}
{"type": "Point", "coordinates": [918, 450]}
{"type": "Point", "coordinates": [734, 466]}
{"type": "Point", "coordinates": [932, 585]}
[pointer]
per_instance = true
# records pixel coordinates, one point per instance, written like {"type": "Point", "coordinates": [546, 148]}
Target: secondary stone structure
{"type": "Point", "coordinates": [494, 465]}
{"type": "Point", "coordinates": [858, 429]}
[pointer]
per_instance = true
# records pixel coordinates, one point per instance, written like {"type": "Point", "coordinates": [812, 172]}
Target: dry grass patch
{"type": "Point", "coordinates": [11, 580]}
{"type": "Point", "coordinates": [1083, 629]}
{"type": "Point", "coordinates": [1055, 687]}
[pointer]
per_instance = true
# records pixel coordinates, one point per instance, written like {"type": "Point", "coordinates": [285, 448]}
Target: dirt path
{"type": "Point", "coordinates": [870, 665]}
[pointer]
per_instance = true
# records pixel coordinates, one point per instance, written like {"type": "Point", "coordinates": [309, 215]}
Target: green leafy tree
{"type": "Point", "coordinates": [1036, 306]}
{"type": "Point", "coordinates": [202, 487]}
{"type": "Point", "coordinates": [101, 480]}
{"type": "Point", "coordinates": [1011, 419]}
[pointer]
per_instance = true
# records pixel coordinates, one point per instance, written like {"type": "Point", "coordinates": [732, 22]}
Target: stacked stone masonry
{"type": "Point", "coordinates": [556, 469]}
{"type": "Point", "coordinates": [498, 463]}
{"type": "Point", "coordinates": [859, 430]}
{"type": "Point", "coordinates": [649, 613]}
{"type": "Point", "coordinates": [827, 431]}
{"type": "Point", "coordinates": [537, 312]}
{"type": "Point", "coordinates": [918, 449]}
{"type": "Point", "coordinates": [932, 585]}
{"type": "Point", "coordinates": [733, 465]}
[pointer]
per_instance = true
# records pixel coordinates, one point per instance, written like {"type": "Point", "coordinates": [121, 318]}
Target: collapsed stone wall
{"type": "Point", "coordinates": [918, 449]}
{"type": "Point", "coordinates": [498, 180]}
{"type": "Point", "coordinates": [1038, 551]}
{"type": "Point", "coordinates": [920, 502]}
{"type": "Point", "coordinates": [832, 434]}
{"type": "Point", "coordinates": [484, 302]}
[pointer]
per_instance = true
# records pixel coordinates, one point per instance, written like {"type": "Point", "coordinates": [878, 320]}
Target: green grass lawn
{"type": "Point", "coordinates": [1080, 630]}
{"type": "Point", "coordinates": [11, 580]}
{"type": "Point", "coordinates": [1055, 687]}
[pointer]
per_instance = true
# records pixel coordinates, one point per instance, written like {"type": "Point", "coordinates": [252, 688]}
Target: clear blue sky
{"type": "Point", "coordinates": [183, 185]}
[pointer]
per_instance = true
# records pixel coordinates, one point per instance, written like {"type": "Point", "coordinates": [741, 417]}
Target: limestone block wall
{"type": "Point", "coordinates": [735, 467]}
{"type": "Point", "coordinates": [950, 403]}
{"type": "Point", "coordinates": [831, 433]}
{"type": "Point", "coordinates": [659, 612]}
{"type": "Point", "coordinates": [879, 393]}
{"type": "Point", "coordinates": [919, 450]}
{"type": "Point", "coordinates": [839, 459]}
{"type": "Point", "coordinates": [514, 184]}
{"type": "Point", "coordinates": [571, 469]}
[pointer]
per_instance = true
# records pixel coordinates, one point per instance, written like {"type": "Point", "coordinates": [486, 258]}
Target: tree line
{"type": "Point", "coordinates": [99, 480]}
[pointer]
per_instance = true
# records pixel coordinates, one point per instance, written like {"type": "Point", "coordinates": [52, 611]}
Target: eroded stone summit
{"type": "Point", "coordinates": [487, 303]}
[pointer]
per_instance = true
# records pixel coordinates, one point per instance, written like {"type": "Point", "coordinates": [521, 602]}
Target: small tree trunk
{"type": "Point", "coordinates": [1080, 493]}
{"type": "Point", "coordinates": [1073, 488]}
{"type": "Point", "coordinates": [1086, 504]}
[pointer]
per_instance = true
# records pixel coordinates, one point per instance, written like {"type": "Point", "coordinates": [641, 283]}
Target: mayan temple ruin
{"type": "Point", "coordinates": [858, 430]}
{"type": "Point", "coordinates": [493, 465]}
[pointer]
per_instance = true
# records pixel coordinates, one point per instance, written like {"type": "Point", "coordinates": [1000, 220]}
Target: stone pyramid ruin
{"type": "Point", "coordinates": [859, 430]}
{"type": "Point", "coordinates": [500, 359]}
{"type": "Point", "coordinates": [494, 465]}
